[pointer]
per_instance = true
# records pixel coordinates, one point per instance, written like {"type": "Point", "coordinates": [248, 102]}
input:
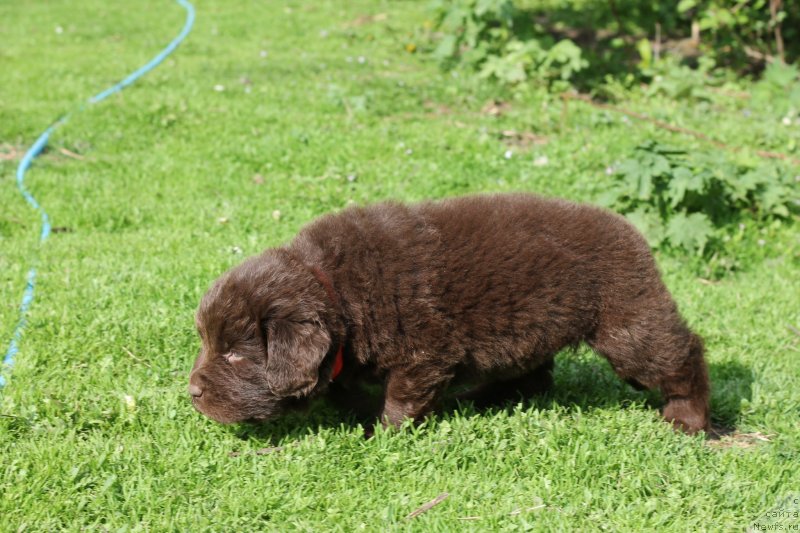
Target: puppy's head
{"type": "Point", "coordinates": [266, 326]}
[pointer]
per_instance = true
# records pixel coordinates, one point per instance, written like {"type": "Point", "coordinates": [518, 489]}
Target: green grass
{"type": "Point", "coordinates": [96, 429]}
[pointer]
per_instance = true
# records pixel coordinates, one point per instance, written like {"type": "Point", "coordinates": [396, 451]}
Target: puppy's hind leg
{"type": "Point", "coordinates": [656, 350]}
{"type": "Point", "coordinates": [687, 390]}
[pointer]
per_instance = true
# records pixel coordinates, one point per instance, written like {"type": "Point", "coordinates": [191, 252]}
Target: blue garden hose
{"type": "Point", "coordinates": [36, 149]}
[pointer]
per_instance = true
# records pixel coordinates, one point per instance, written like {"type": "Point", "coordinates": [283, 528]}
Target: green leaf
{"type": "Point", "coordinates": [488, 6]}
{"type": "Point", "coordinates": [630, 171]}
{"type": "Point", "coordinates": [514, 73]}
{"type": "Point", "coordinates": [645, 186]}
{"type": "Point", "coordinates": [472, 32]}
{"type": "Point", "coordinates": [455, 19]}
{"type": "Point", "coordinates": [630, 167]}
{"type": "Point", "coordinates": [743, 184]}
{"type": "Point", "coordinates": [682, 180]}
{"type": "Point", "coordinates": [659, 165]}
{"type": "Point", "coordinates": [690, 232]}
{"type": "Point", "coordinates": [446, 47]}
{"type": "Point", "coordinates": [645, 50]}
{"type": "Point", "coordinates": [563, 60]}
{"type": "Point", "coordinates": [649, 225]}
{"type": "Point", "coordinates": [610, 198]}
{"type": "Point", "coordinates": [774, 199]}
{"type": "Point", "coordinates": [781, 74]}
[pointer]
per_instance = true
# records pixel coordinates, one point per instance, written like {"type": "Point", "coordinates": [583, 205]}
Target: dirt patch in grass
{"type": "Point", "coordinates": [722, 438]}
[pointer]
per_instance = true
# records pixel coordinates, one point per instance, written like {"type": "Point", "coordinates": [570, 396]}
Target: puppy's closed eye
{"type": "Point", "coordinates": [232, 359]}
{"type": "Point", "coordinates": [247, 343]}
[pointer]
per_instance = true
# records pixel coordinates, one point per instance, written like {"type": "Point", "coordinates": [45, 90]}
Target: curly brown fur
{"type": "Point", "coordinates": [480, 289]}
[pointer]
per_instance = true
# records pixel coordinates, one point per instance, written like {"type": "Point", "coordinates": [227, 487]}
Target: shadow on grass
{"type": "Point", "coordinates": [588, 382]}
{"type": "Point", "coordinates": [582, 381]}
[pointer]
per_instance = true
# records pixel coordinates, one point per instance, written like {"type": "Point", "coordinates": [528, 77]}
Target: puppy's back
{"type": "Point", "coordinates": [512, 216]}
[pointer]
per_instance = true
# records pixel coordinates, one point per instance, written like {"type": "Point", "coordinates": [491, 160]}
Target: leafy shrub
{"type": "Point", "coordinates": [669, 77]}
{"type": "Point", "coordinates": [514, 46]}
{"type": "Point", "coordinates": [741, 29]}
{"type": "Point", "coordinates": [520, 60]}
{"type": "Point", "coordinates": [687, 201]}
{"type": "Point", "coordinates": [478, 34]}
{"type": "Point", "coordinates": [778, 89]}
{"type": "Point", "coordinates": [472, 30]}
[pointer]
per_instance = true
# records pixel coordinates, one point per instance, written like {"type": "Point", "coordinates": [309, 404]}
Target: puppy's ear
{"type": "Point", "coordinates": [294, 352]}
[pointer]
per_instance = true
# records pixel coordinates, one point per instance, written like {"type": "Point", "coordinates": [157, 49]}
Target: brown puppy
{"type": "Point", "coordinates": [482, 289]}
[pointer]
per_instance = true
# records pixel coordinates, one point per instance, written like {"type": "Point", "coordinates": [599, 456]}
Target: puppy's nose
{"type": "Point", "coordinates": [195, 390]}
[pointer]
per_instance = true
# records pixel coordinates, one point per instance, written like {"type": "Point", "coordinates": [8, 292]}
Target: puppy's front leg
{"type": "Point", "coordinates": [412, 392]}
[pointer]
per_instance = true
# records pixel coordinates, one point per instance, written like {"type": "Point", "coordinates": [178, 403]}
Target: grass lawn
{"type": "Point", "coordinates": [272, 113]}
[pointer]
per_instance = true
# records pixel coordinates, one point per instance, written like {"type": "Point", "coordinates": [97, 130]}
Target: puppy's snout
{"type": "Point", "coordinates": [195, 390]}
{"type": "Point", "coordinates": [195, 382]}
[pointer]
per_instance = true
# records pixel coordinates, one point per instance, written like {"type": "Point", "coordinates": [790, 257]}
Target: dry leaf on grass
{"type": "Point", "coordinates": [260, 451]}
{"type": "Point", "coordinates": [428, 506]}
{"type": "Point", "coordinates": [436, 108]}
{"type": "Point", "coordinates": [737, 440]}
{"type": "Point", "coordinates": [495, 108]}
{"type": "Point", "coordinates": [9, 152]}
{"type": "Point", "coordinates": [521, 139]}
{"type": "Point", "coordinates": [367, 19]}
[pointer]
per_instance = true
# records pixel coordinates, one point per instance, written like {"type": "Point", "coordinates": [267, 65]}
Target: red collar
{"type": "Point", "coordinates": [338, 362]}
